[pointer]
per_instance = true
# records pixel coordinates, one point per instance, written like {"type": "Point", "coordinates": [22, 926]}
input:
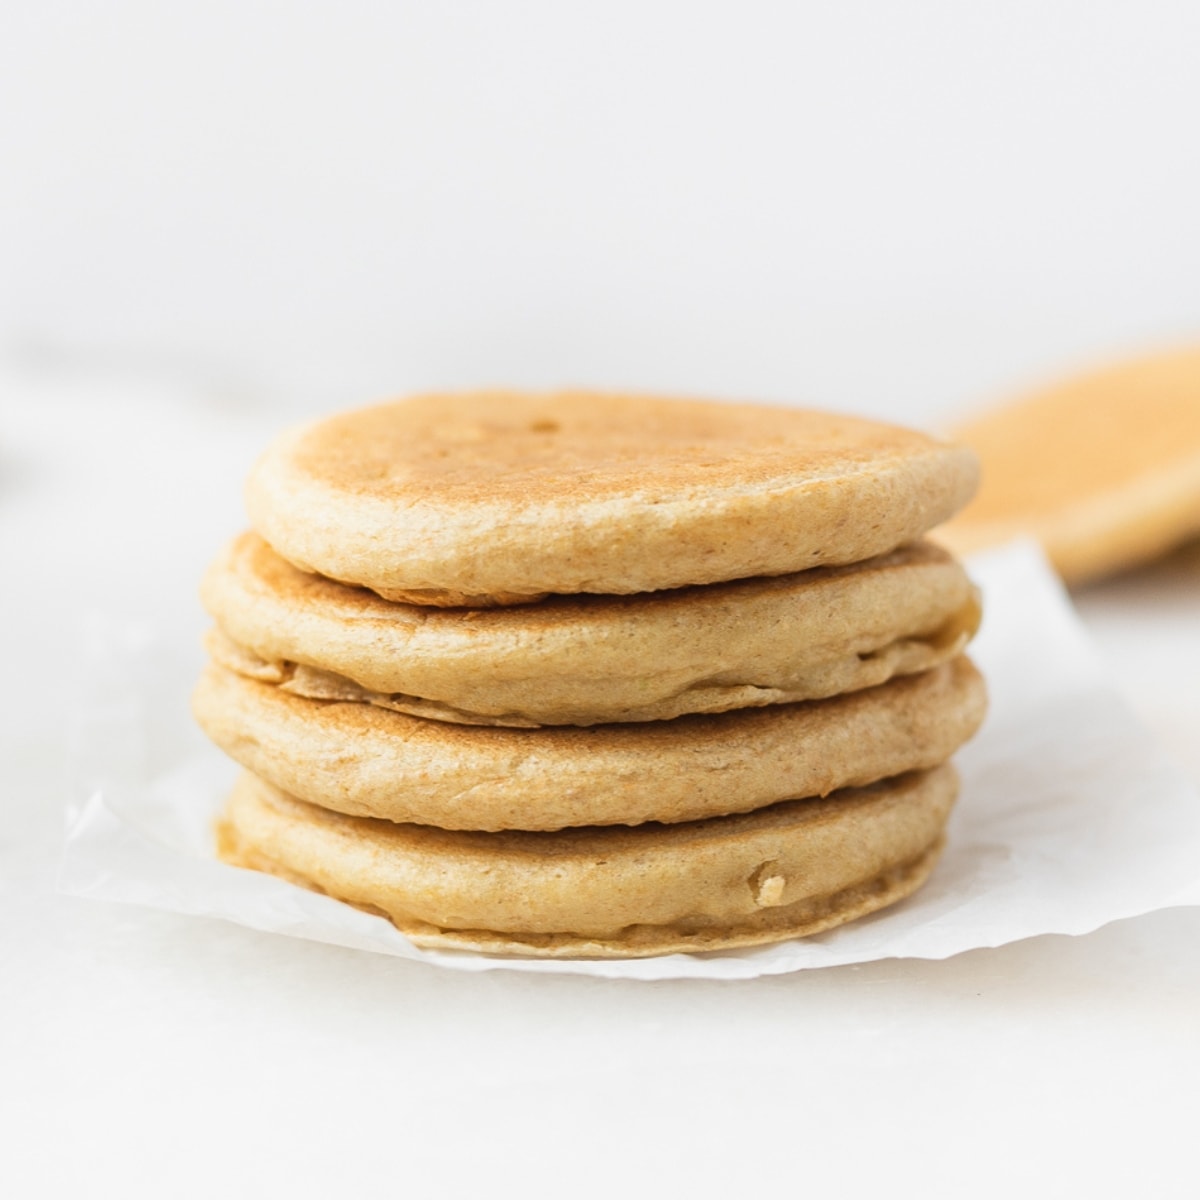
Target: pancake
{"type": "Point", "coordinates": [791, 870]}
{"type": "Point", "coordinates": [1104, 469]}
{"type": "Point", "coordinates": [590, 659]}
{"type": "Point", "coordinates": [499, 497]}
{"type": "Point", "coordinates": [365, 761]}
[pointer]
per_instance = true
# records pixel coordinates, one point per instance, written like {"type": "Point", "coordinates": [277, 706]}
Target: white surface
{"type": "Point", "coordinates": [150, 1054]}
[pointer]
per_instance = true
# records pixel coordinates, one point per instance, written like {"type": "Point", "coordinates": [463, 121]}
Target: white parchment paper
{"type": "Point", "coordinates": [1069, 818]}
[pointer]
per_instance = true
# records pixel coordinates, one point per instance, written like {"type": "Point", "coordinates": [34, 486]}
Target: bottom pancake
{"type": "Point", "coordinates": [791, 870]}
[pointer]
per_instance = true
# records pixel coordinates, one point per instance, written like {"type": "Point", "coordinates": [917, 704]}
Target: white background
{"type": "Point", "coordinates": [215, 216]}
{"type": "Point", "coordinates": [899, 207]}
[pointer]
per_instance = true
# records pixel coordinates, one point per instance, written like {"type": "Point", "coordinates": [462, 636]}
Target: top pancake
{"type": "Point", "coordinates": [498, 497]}
{"type": "Point", "coordinates": [1104, 469]}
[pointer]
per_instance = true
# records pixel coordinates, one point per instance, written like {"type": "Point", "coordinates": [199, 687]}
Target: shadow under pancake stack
{"type": "Point", "coordinates": [581, 675]}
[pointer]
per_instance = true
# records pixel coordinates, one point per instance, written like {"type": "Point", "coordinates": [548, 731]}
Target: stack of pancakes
{"type": "Point", "coordinates": [582, 675]}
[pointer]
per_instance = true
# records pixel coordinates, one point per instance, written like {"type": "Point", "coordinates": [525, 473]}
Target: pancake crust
{"type": "Point", "coordinates": [365, 761]}
{"type": "Point", "coordinates": [499, 497]}
{"type": "Point", "coordinates": [591, 659]}
{"type": "Point", "coordinates": [1104, 469]}
{"type": "Point", "coordinates": [791, 870]}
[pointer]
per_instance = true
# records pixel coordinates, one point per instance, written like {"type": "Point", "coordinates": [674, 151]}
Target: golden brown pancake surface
{"type": "Point", "coordinates": [500, 497]}
{"type": "Point", "coordinates": [792, 869]}
{"type": "Point", "coordinates": [366, 761]}
{"type": "Point", "coordinates": [1104, 469]}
